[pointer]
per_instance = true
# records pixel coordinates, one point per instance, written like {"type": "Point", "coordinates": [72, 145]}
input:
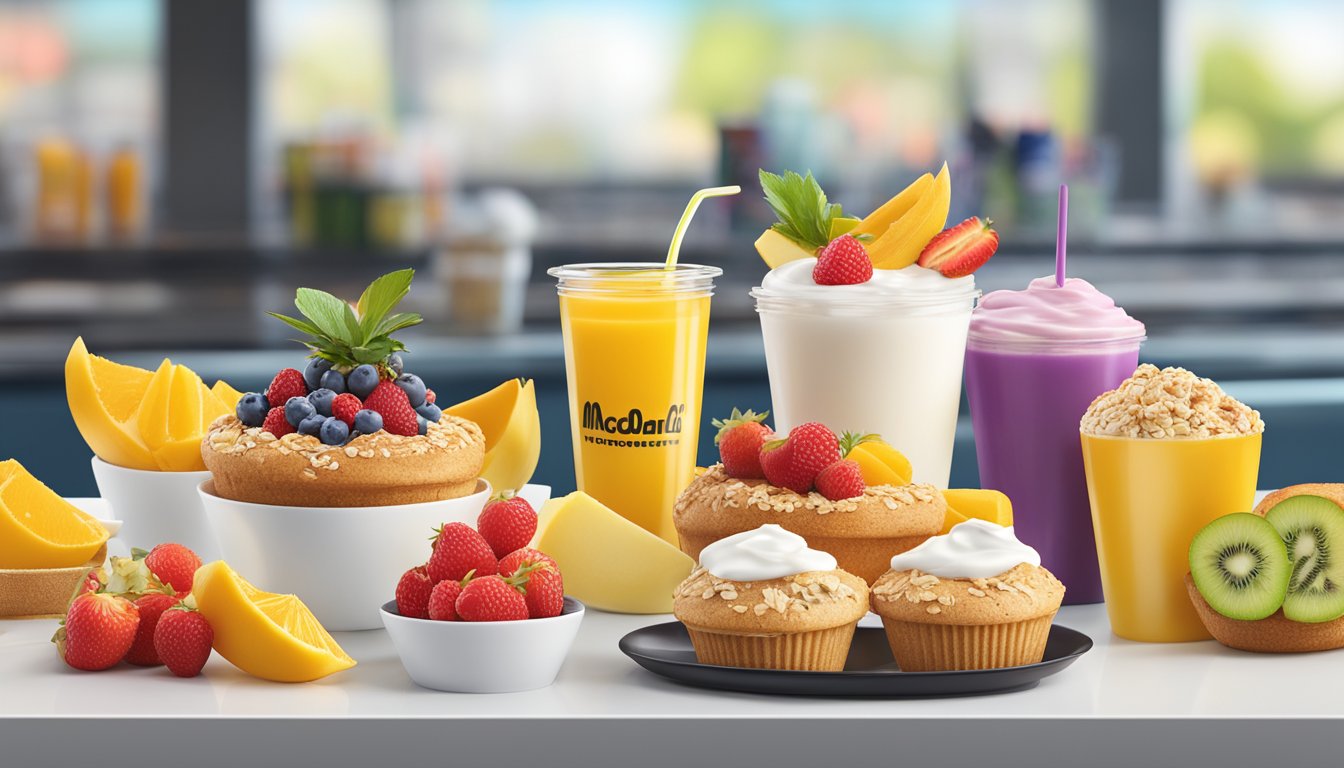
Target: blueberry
{"type": "Point", "coordinates": [252, 409]}
{"type": "Point", "coordinates": [312, 425]}
{"type": "Point", "coordinates": [395, 362]}
{"type": "Point", "coordinates": [334, 381]}
{"type": "Point", "coordinates": [421, 425]}
{"type": "Point", "coordinates": [368, 422]}
{"type": "Point", "coordinates": [321, 400]}
{"type": "Point", "coordinates": [430, 411]}
{"type": "Point", "coordinates": [334, 431]}
{"type": "Point", "coordinates": [312, 375]}
{"type": "Point", "coordinates": [413, 387]}
{"type": "Point", "coordinates": [362, 380]}
{"type": "Point", "coordinates": [297, 409]}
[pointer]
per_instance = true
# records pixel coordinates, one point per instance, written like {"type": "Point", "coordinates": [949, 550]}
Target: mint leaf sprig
{"type": "Point", "coordinates": [350, 336]}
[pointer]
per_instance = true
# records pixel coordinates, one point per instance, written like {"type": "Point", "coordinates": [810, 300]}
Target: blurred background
{"type": "Point", "coordinates": [169, 171]}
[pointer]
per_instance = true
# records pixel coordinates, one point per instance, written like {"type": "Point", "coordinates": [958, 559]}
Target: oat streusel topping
{"type": "Point", "coordinates": [228, 436]}
{"type": "Point", "coordinates": [1171, 403]}
{"type": "Point", "coordinates": [801, 593]}
{"type": "Point", "coordinates": [720, 492]}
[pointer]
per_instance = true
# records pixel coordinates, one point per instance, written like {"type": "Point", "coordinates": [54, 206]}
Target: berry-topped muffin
{"type": "Point", "coordinates": [353, 428]}
{"type": "Point", "coordinates": [812, 484]}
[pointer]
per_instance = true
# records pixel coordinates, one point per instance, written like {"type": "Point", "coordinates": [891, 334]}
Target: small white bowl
{"type": "Point", "coordinates": [156, 507]}
{"type": "Point", "coordinates": [340, 561]}
{"type": "Point", "coordinates": [484, 656]}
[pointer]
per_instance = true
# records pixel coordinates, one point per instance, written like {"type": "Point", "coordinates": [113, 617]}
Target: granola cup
{"type": "Point", "coordinates": [935, 624]}
{"type": "Point", "coordinates": [803, 622]}
{"type": "Point", "coordinates": [862, 533]}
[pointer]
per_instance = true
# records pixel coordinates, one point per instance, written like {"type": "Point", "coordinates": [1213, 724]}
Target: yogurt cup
{"type": "Point", "coordinates": [880, 357]}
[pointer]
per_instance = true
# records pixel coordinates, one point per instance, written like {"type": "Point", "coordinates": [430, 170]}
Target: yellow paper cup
{"type": "Point", "coordinates": [1149, 498]}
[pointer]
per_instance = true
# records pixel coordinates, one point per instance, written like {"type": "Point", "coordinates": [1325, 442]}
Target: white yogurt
{"type": "Point", "coordinates": [880, 357]}
{"type": "Point", "coordinates": [768, 552]}
{"type": "Point", "coordinates": [974, 549]}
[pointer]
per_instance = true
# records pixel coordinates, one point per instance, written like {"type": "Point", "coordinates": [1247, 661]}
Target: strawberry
{"type": "Point", "coordinates": [507, 524]}
{"type": "Point", "coordinates": [430, 397]}
{"type": "Point", "coordinates": [543, 590]}
{"type": "Point", "coordinates": [458, 551]}
{"type": "Point", "coordinates": [413, 592]}
{"type": "Point", "coordinates": [345, 406]}
{"type": "Point", "coordinates": [958, 251]}
{"type": "Point", "coordinates": [491, 598]}
{"type": "Point", "coordinates": [276, 423]}
{"type": "Point", "coordinates": [151, 607]}
{"type": "Point", "coordinates": [98, 630]}
{"type": "Point", "coordinates": [795, 461]}
{"type": "Point", "coordinates": [511, 562]}
{"type": "Point", "coordinates": [740, 438]}
{"type": "Point", "coordinates": [842, 262]}
{"type": "Point", "coordinates": [443, 600]}
{"type": "Point", "coordinates": [391, 403]}
{"type": "Point", "coordinates": [841, 480]}
{"type": "Point", "coordinates": [174, 565]}
{"type": "Point", "coordinates": [286, 384]}
{"type": "Point", "coordinates": [183, 639]}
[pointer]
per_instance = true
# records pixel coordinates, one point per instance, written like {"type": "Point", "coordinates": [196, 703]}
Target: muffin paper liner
{"type": "Point", "coordinates": [822, 650]}
{"type": "Point", "coordinates": [920, 647]}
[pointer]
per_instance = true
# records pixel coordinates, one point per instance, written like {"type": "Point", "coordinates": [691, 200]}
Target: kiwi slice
{"type": "Point", "coordinates": [1240, 566]}
{"type": "Point", "coordinates": [1312, 528]}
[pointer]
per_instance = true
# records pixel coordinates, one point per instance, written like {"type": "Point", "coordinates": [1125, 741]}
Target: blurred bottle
{"type": "Point", "coordinates": [64, 210]}
{"type": "Point", "coordinates": [125, 206]}
{"type": "Point", "coordinates": [1039, 173]}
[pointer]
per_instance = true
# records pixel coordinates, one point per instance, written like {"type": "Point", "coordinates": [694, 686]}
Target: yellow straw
{"type": "Point", "coordinates": [674, 249]}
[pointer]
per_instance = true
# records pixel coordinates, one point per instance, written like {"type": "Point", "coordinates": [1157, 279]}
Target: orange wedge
{"type": "Point", "coordinates": [273, 637]}
{"type": "Point", "coordinates": [104, 397]}
{"type": "Point", "coordinates": [39, 529]}
{"type": "Point", "coordinates": [508, 416]}
{"type": "Point", "coordinates": [228, 396]}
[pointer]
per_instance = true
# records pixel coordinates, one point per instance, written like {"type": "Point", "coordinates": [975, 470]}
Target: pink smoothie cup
{"type": "Point", "coordinates": [1035, 360]}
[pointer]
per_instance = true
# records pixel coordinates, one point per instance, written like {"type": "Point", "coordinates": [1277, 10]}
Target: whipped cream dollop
{"type": "Point", "coordinates": [1076, 311]}
{"type": "Point", "coordinates": [769, 552]}
{"type": "Point", "coordinates": [975, 549]}
{"type": "Point", "coordinates": [914, 284]}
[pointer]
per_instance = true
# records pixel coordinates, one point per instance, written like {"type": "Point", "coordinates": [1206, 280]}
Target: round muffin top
{"type": "Point", "coordinates": [1022, 592]}
{"type": "Point", "coordinates": [715, 502]}
{"type": "Point", "coordinates": [804, 602]}
{"type": "Point", "coordinates": [451, 434]}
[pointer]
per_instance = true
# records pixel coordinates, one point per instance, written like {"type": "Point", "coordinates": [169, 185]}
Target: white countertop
{"type": "Point", "coordinates": [1122, 703]}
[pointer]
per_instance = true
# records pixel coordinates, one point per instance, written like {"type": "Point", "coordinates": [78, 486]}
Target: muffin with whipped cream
{"type": "Point", "coordinates": [973, 598]}
{"type": "Point", "coordinates": [762, 599]}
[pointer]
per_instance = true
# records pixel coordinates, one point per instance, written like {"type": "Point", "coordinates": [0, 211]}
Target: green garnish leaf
{"type": "Point", "coordinates": [380, 297]}
{"type": "Point", "coordinates": [802, 209]}
{"type": "Point", "coordinates": [350, 336]}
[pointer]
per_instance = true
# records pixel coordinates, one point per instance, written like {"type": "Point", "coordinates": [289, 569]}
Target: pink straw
{"type": "Point", "coordinates": [1061, 234]}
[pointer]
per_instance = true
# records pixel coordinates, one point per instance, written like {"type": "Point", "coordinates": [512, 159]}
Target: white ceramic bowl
{"type": "Point", "coordinates": [155, 507]}
{"type": "Point", "coordinates": [340, 561]}
{"type": "Point", "coordinates": [486, 656]}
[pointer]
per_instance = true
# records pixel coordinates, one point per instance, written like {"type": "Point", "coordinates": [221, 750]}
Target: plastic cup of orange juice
{"type": "Point", "coordinates": [1149, 498]}
{"type": "Point", "coordinates": [634, 337]}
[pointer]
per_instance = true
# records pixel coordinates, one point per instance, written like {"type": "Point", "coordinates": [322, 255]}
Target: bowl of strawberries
{"type": "Point", "coordinates": [486, 613]}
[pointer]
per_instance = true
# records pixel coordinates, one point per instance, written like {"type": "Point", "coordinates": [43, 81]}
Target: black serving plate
{"type": "Point", "coordinates": [870, 670]}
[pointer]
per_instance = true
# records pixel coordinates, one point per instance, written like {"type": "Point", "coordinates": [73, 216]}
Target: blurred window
{"type": "Point", "coordinates": [78, 86]}
{"type": "Point", "coordinates": [611, 90]}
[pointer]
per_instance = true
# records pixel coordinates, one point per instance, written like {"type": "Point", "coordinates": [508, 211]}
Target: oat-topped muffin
{"type": "Point", "coordinates": [974, 598]}
{"type": "Point", "coordinates": [862, 532]}
{"type": "Point", "coordinates": [251, 464]}
{"type": "Point", "coordinates": [763, 599]}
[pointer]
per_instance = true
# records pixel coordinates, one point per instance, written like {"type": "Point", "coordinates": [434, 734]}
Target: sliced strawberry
{"type": "Point", "coordinates": [958, 251]}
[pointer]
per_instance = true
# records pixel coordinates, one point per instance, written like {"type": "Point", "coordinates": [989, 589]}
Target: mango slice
{"type": "Point", "coordinates": [508, 416]}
